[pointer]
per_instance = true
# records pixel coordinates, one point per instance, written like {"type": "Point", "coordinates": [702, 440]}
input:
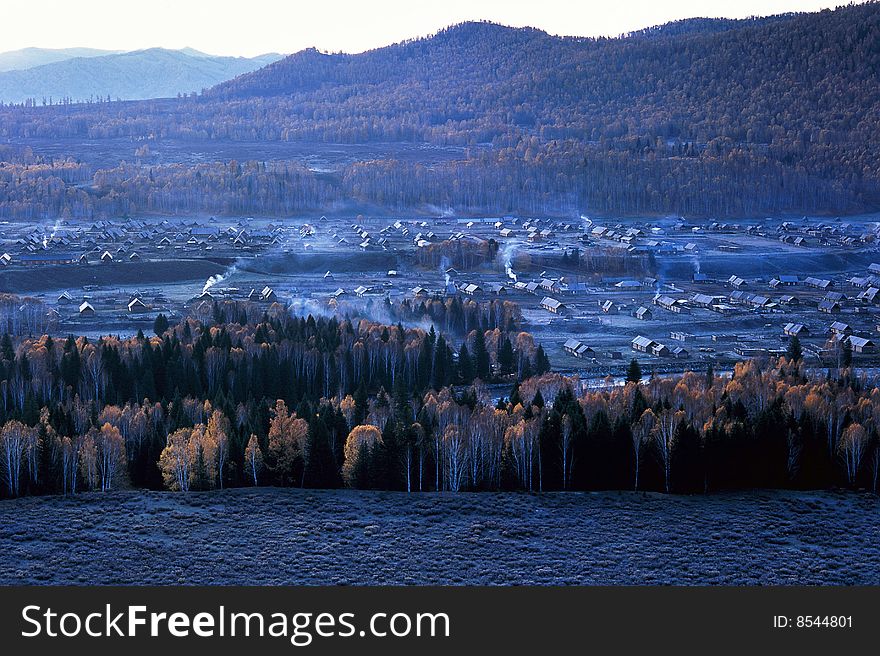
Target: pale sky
{"type": "Point", "coordinates": [251, 27]}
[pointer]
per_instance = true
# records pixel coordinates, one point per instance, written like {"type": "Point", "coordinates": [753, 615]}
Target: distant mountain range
{"type": "Point", "coordinates": [702, 117]}
{"type": "Point", "coordinates": [19, 60]}
{"type": "Point", "coordinates": [79, 74]}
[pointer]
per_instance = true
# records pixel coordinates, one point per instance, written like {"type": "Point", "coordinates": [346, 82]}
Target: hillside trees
{"type": "Point", "coordinates": [765, 116]}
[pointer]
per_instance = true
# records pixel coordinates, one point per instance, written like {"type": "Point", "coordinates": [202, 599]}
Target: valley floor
{"type": "Point", "coordinates": [274, 536]}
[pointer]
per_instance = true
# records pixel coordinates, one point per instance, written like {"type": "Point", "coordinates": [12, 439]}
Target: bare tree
{"type": "Point", "coordinates": [13, 442]}
{"type": "Point", "coordinates": [852, 447]}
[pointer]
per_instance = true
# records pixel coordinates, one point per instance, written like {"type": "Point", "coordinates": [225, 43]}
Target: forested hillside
{"type": "Point", "coordinates": [702, 117]}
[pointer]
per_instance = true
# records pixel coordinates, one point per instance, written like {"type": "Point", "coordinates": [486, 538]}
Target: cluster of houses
{"type": "Point", "coordinates": [531, 228]}
{"type": "Point", "coordinates": [838, 331]}
{"type": "Point", "coordinates": [639, 240]}
{"type": "Point", "coordinates": [647, 345]}
{"type": "Point", "coordinates": [86, 309]}
{"type": "Point", "coordinates": [264, 295]}
{"type": "Point", "coordinates": [577, 349]}
{"type": "Point", "coordinates": [131, 239]}
{"type": "Point", "coordinates": [824, 234]}
{"type": "Point", "coordinates": [648, 238]}
{"type": "Point", "coordinates": [802, 234]}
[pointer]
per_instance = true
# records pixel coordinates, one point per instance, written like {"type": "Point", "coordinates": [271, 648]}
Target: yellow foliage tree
{"type": "Point", "coordinates": [358, 438]}
{"type": "Point", "coordinates": [287, 438]}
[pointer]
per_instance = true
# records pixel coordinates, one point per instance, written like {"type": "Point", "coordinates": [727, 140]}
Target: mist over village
{"type": "Point", "coordinates": [489, 306]}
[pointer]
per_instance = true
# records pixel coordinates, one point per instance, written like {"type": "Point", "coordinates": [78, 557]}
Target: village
{"type": "Point", "coordinates": [691, 293]}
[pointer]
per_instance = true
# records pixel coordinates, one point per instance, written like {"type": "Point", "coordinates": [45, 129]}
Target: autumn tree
{"type": "Point", "coordinates": [176, 460]}
{"type": "Point", "coordinates": [217, 433]}
{"type": "Point", "coordinates": [360, 441]}
{"type": "Point", "coordinates": [853, 446]}
{"type": "Point", "coordinates": [110, 455]}
{"type": "Point", "coordinates": [287, 438]}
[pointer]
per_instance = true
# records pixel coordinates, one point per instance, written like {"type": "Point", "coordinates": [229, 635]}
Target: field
{"type": "Point", "coordinates": [131, 274]}
{"type": "Point", "coordinates": [273, 536]}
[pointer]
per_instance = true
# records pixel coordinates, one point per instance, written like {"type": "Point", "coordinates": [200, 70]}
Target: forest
{"type": "Point", "coordinates": [697, 118]}
{"type": "Point", "coordinates": [253, 398]}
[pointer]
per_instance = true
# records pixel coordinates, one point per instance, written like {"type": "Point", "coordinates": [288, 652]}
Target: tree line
{"type": "Point", "coordinates": [148, 388]}
{"type": "Point", "coordinates": [67, 427]}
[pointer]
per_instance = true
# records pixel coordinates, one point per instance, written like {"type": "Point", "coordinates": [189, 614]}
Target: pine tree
{"type": "Point", "coordinates": [320, 467]}
{"type": "Point", "coordinates": [360, 472]}
{"type": "Point", "coordinates": [505, 356]}
{"type": "Point", "coordinates": [634, 372]}
{"type": "Point", "coordinates": [515, 398]}
{"type": "Point", "coordinates": [401, 400]}
{"type": "Point", "coordinates": [201, 478]}
{"type": "Point", "coordinates": [542, 363]}
{"type": "Point", "coordinates": [538, 401]}
{"type": "Point", "coordinates": [160, 325]}
{"type": "Point", "coordinates": [794, 352]}
{"type": "Point", "coordinates": [482, 365]}
{"type": "Point", "coordinates": [847, 355]}
{"type": "Point", "coordinates": [6, 348]}
{"type": "Point", "coordinates": [465, 365]}
{"type": "Point", "coordinates": [360, 404]}
{"type": "Point", "coordinates": [438, 373]}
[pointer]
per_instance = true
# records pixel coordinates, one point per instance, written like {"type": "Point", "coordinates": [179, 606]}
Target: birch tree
{"type": "Point", "coordinates": [111, 455]}
{"type": "Point", "coordinates": [13, 441]}
{"type": "Point", "coordinates": [253, 458]}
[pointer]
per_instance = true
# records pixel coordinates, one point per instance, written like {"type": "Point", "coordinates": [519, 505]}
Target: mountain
{"type": "Point", "coordinates": [704, 117]}
{"type": "Point", "coordinates": [16, 60]}
{"type": "Point", "coordinates": [142, 74]}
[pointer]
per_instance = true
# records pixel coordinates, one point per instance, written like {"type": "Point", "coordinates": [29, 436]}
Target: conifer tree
{"type": "Point", "coordinates": [634, 372]}
{"type": "Point", "coordinates": [794, 352]}
{"type": "Point", "coordinates": [482, 365]}
{"type": "Point", "coordinates": [542, 363]}
{"type": "Point", "coordinates": [505, 356]}
{"type": "Point", "coordinates": [160, 325]}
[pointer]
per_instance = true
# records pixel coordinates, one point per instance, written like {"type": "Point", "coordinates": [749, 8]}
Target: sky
{"type": "Point", "coordinates": [251, 27]}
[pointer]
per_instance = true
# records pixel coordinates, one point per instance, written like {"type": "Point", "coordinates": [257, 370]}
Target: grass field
{"type": "Point", "coordinates": [38, 279]}
{"type": "Point", "coordinates": [272, 536]}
